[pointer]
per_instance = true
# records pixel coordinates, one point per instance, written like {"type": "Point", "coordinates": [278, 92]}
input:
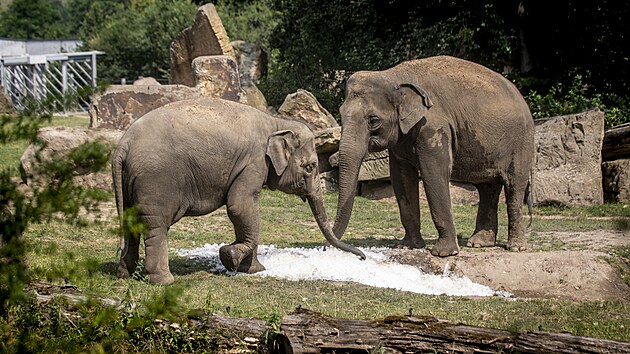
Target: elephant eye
{"type": "Point", "coordinates": [308, 168]}
{"type": "Point", "coordinates": [373, 121]}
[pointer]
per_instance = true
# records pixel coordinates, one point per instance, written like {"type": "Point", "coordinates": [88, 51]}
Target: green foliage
{"type": "Point", "coordinates": [137, 37]}
{"type": "Point", "coordinates": [34, 19]}
{"type": "Point", "coordinates": [19, 208]}
{"type": "Point", "coordinates": [567, 99]}
{"type": "Point", "coordinates": [251, 21]}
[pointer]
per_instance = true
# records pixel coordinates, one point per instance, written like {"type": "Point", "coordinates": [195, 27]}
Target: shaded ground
{"type": "Point", "coordinates": [566, 274]}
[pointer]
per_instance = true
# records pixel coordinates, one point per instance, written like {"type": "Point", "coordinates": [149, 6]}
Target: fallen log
{"type": "Point", "coordinates": [305, 331]}
{"type": "Point", "coordinates": [616, 144]}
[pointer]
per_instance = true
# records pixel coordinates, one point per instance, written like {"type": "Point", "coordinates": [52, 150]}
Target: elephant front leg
{"type": "Point", "coordinates": [435, 178]}
{"type": "Point", "coordinates": [405, 183]}
{"type": "Point", "coordinates": [485, 234]}
{"type": "Point", "coordinates": [242, 255]}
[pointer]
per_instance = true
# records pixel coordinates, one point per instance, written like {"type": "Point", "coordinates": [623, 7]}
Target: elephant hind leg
{"type": "Point", "coordinates": [130, 256]}
{"type": "Point", "coordinates": [486, 228]}
{"type": "Point", "coordinates": [515, 194]}
{"type": "Point", "coordinates": [156, 259]}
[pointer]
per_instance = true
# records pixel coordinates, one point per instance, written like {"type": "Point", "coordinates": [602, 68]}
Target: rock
{"type": "Point", "coordinates": [146, 81]}
{"type": "Point", "coordinates": [6, 105]}
{"type": "Point", "coordinates": [59, 142]}
{"type": "Point", "coordinates": [568, 159]}
{"type": "Point", "coordinates": [252, 61]}
{"type": "Point", "coordinates": [617, 180]}
{"type": "Point", "coordinates": [205, 37]}
{"type": "Point", "coordinates": [375, 167]}
{"type": "Point", "coordinates": [327, 140]}
{"type": "Point", "coordinates": [304, 107]}
{"type": "Point", "coordinates": [254, 97]}
{"type": "Point", "coordinates": [217, 76]}
{"type": "Point", "coordinates": [120, 105]}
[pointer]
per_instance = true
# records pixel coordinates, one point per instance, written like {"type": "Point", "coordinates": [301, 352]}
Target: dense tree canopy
{"type": "Point", "coordinates": [564, 55]}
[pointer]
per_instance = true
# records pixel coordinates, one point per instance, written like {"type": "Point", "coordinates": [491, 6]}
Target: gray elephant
{"type": "Point", "coordinates": [190, 157]}
{"type": "Point", "coordinates": [440, 118]}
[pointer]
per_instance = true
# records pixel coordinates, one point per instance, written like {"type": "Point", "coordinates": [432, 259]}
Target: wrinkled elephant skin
{"type": "Point", "coordinates": [443, 119]}
{"type": "Point", "coordinates": [191, 157]}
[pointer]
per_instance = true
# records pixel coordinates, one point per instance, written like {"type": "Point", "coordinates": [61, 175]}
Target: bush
{"type": "Point", "coordinates": [573, 98]}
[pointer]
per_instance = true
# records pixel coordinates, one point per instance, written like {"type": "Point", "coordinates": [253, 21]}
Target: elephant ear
{"type": "Point", "coordinates": [413, 104]}
{"type": "Point", "coordinates": [279, 149]}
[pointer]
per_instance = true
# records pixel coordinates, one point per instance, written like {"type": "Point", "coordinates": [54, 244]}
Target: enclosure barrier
{"type": "Point", "coordinates": [60, 82]}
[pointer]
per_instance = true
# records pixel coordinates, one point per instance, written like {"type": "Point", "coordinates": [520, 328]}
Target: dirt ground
{"type": "Point", "coordinates": [566, 274]}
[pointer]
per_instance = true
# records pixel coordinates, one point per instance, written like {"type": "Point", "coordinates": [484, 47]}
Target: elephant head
{"type": "Point", "coordinates": [295, 171]}
{"type": "Point", "coordinates": [376, 114]}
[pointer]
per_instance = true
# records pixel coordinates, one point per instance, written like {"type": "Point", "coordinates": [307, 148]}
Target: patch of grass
{"type": "Point", "coordinates": [10, 153]}
{"type": "Point", "coordinates": [85, 256]}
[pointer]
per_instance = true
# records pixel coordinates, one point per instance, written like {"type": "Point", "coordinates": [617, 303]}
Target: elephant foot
{"type": "Point", "coordinates": [231, 257]}
{"type": "Point", "coordinates": [483, 238]}
{"type": "Point", "coordinates": [445, 247]}
{"type": "Point", "coordinates": [516, 244]}
{"type": "Point", "coordinates": [161, 279]}
{"type": "Point", "coordinates": [127, 268]}
{"type": "Point", "coordinates": [412, 242]}
{"type": "Point", "coordinates": [251, 265]}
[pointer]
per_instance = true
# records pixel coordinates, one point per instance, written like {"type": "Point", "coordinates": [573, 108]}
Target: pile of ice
{"type": "Point", "coordinates": [333, 264]}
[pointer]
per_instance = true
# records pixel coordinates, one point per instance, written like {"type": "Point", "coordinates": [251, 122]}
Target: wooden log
{"type": "Point", "coordinates": [309, 332]}
{"type": "Point", "coordinates": [616, 143]}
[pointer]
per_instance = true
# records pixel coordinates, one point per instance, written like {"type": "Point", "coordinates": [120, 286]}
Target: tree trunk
{"type": "Point", "coordinates": [616, 143]}
{"type": "Point", "coordinates": [309, 332]}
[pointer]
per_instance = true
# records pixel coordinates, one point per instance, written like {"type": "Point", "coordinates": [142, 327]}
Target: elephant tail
{"type": "Point", "coordinates": [530, 208]}
{"type": "Point", "coordinates": [118, 160]}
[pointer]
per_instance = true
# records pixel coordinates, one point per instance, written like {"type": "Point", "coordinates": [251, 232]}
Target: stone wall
{"type": "Point", "coordinates": [568, 159]}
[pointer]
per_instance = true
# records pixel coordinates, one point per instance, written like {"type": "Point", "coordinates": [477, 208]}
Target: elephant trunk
{"type": "Point", "coordinates": [351, 154]}
{"type": "Point", "coordinates": [317, 207]}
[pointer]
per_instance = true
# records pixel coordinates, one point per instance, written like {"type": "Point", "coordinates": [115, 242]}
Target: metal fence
{"type": "Point", "coordinates": [58, 82]}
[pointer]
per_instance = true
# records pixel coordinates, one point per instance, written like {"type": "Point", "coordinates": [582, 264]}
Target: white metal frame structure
{"type": "Point", "coordinates": [60, 82]}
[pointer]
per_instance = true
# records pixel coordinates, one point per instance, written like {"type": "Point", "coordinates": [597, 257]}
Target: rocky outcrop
{"type": "Point", "coordinates": [59, 142]}
{"type": "Point", "coordinates": [6, 105]}
{"type": "Point", "coordinates": [121, 105]}
{"type": "Point", "coordinates": [217, 76]}
{"type": "Point", "coordinates": [304, 107]}
{"type": "Point", "coordinates": [568, 159]}
{"type": "Point", "coordinates": [205, 37]}
{"type": "Point", "coordinates": [146, 81]}
{"type": "Point", "coordinates": [252, 62]}
{"type": "Point", "coordinates": [616, 176]}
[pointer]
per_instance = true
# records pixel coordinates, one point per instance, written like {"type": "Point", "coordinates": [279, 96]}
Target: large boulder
{"type": "Point", "coordinates": [59, 142]}
{"type": "Point", "coordinates": [252, 61]}
{"type": "Point", "coordinates": [616, 180]}
{"type": "Point", "coordinates": [120, 105]}
{"type": "Point", "coordinates": [217, 76]}
{"type": "Point", "coordinates": [303, 106]}
{"type": "Point", "coordinates": [205, 37]}
{"type": "Point", "coordinates": [568, 159]}
{"type": "Point", "coordinates": [146, 81]}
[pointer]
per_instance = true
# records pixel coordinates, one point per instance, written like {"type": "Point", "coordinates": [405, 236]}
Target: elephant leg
{"type": "Point", "coordinates": [156, 256]}
{"type": "Point", "coordinates": [485, 234]}
{"type": "Point", "coordinates": [130, 256]}
{"type": "Point", "coordinates": [241, 255]}
{"type": "Point", "coordinates": [515, 194]}
{"type": "Point", "coordinates": [404, 177]}
{"type": "Point", "coordinates": [435, 177]}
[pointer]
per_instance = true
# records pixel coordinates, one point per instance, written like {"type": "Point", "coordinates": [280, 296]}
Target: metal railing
{"type": "Point", "coordinates": [59, 82]}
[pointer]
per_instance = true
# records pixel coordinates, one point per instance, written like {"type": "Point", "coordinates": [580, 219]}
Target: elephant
{"type": "Point", "coordinates": [441, 119]}
{"type": "Point", "coordinates": [190, 157]}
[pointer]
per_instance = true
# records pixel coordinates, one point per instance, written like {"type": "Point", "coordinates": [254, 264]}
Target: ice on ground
{"type": "Point", "coordinates": [333, 264]}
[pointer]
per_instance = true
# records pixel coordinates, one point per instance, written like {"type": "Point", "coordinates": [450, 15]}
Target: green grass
{"type": "Point", "coordinates": [10, 153]}
{"type": "Point", "coordinates": [83, 254]}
